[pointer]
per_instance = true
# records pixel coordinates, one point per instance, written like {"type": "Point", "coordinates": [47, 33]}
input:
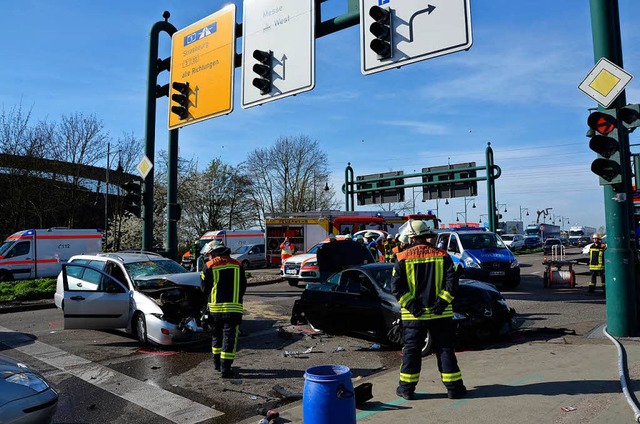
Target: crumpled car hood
{"type": "Point", "coordinates": [191, 279]}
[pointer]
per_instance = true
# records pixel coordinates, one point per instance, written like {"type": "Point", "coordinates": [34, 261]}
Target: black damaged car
{"type": "Point", "coordinates": [358, 300]}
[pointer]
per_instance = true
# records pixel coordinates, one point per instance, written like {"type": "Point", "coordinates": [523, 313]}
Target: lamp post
{"type": "Point", "coordinates": [486, 216]}
{"type": "Point", "coordinates": [413, 196]}
{"type": "Point", "coordinates": [522, 210]}
{"type": "Point", "coordinates": [464, 215]}
{"type": "Point", "coordinates": [466, 203]}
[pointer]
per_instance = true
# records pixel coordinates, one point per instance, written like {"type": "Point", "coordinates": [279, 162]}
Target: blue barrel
{"type": "Point", "coordinates": [328, 396]}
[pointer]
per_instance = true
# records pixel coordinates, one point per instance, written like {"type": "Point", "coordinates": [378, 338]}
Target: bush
{"type": "Point", "coordinates": [42, 288]}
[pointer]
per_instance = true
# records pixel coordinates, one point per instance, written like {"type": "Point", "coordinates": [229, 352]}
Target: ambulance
{"type": "Point", "coordinates": [233, 239]}
{"type": "Point", "coordinates": [306, 229]}
{"type": "Point", "coordinates": [39, 253]}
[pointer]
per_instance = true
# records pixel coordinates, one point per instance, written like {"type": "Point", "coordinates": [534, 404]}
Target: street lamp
{"type": "Point", "coordinates": [413, 195]}
{"type": "Point", "coordinates": [522, 210]}
{"type": "Point", "coordinates": [486, 216]}
{"type": "Point", "coordinates": [464, 215]}
{"type": "Point", "coordinates": [466, 203]}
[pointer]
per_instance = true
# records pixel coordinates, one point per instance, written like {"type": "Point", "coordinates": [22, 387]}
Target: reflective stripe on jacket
{"type": "Point", "coordinates": [596, 257]}
{"type": "Point", "coordinates": [225, 281]}
{"type": "Point", "coordinates": [421, 275]}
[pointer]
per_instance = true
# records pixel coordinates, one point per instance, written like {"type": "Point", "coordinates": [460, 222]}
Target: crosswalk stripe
{"type": "Point", "coordinates": [155, 399]}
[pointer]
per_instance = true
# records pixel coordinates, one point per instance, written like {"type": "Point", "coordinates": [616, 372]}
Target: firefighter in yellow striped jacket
{"type": "Point", "coordinates": [225, 283]}
{"type": "Point", "coordinates": [425, 282]}
{"type": "Point", "coordinates": [596, 263]}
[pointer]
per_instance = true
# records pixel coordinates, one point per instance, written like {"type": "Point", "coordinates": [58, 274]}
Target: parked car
{"type": "Point", "coordinates": [548, 246]}
{"type": "Point", "coordinates": [482, 255]}
{"type": "Point", "coordinates": [25, 395]}
{"type": "Point", "coordinates": [304, 268]}
{"type": "Point", "coordinates": [515, 242]}
{"type": "Point", "coordinates": [583, 241]}
{"type": "Point", "coordinates": [147, 295]}
{"type": "Point", "coordinates": [250, 255]}
{"type": "Point", "coordinates": [358, 300]}
{"type": "Point", "coordinates": [532, 242]}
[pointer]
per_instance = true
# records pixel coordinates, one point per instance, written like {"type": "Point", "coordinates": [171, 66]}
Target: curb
{"type": "Point", "coordinates": [27, 307]}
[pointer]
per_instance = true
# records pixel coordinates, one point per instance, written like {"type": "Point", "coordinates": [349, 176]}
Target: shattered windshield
{"type": "Point", "coordinates": [143, 269]}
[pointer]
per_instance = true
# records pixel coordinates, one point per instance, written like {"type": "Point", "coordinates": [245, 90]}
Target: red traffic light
{"type": "Point", "coordinates": [379, 14]}
{"type": "Point", "coordinates": [602, 123]}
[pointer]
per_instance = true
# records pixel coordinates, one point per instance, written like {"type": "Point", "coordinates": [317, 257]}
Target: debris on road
{"type": "Point", "coordinates": [567, 408]}
{"type": "Point", "coordinates": [286, 394]}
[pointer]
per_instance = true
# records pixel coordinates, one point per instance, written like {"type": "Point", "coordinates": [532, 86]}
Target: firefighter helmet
{"type": "Point", "coordinates": [596, 236]}
{"type": "Point", "coordinates": [370, 234]}
{"type": "Point", "coordinates": [215, 248]}
{"type": "Point", "coordinates": [416, 228]}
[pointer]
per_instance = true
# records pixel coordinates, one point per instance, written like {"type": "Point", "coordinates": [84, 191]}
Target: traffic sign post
{"type": "Point", "coordinates": [286, 30]}
{"type": "Point", "coordinates": [203, 60]}
{"type": "Point", "coordinates": [419, 30]}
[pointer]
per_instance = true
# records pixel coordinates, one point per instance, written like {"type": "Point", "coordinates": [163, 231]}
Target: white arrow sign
{"type": "Point", "coordinates": [420, 30]}
{"type": "Point", "coordinates": [287, 29]}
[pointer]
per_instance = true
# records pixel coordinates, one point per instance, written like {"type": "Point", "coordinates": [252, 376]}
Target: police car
{"type": "Point", "coordinates": [482, 255]}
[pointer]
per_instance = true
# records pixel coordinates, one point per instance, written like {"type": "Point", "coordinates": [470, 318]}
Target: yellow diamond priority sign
{"type": "Point", "coordinates": [605, 82]}
{"type": "Point", "coordinates": [202, 65]}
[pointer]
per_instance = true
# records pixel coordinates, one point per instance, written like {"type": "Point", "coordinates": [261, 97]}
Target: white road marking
{"type": "Point", "coordinates": [159, 401]}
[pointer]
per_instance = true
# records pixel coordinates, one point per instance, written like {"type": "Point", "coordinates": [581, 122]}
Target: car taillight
{"type": "Point", "coordinates": [165, 331]}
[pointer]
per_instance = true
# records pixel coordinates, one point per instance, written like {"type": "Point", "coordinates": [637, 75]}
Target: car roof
{"type": "Point", "coordinates": [122, 257]}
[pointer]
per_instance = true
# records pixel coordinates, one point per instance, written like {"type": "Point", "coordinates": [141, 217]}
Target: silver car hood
{"type": "Point", "coordinates": [184, 279]}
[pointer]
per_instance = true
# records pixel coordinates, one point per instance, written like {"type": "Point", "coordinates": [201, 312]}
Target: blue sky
{"type": "Point", "coordinates": [516, 88]}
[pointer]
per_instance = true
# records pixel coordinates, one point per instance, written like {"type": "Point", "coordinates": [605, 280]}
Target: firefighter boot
{"type": "Point", "coordinates": [457, 393]}
{"type": "Point", "coordinates": [216, 362]}
{"type": "Point", "coordinates": [226, 369]}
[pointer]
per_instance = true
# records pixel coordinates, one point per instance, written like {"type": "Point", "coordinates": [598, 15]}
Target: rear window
{"type": "Point", "coordinates": [480, 241]}
{"type": "Point", "coordinates": [507, 237]}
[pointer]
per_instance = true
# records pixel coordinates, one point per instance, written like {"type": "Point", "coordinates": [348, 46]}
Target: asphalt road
{"type": "Point", "coordinates": [106, 376]}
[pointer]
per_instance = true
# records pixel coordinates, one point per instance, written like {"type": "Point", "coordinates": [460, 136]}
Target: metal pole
{"type": "Point", "coordinates": [491, 190]}
{"type": "Point", "coordinates": [150, 128]}
{"type": "Point", "coordinates": [619, 261]}
{"type": "Point", "coordinates": [106, 199]}
{"type": "Point", "coordinates": [172, 197]}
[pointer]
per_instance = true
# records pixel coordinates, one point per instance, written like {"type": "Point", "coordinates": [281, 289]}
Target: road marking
{"type": "Point", "coordinates": [152, 398]}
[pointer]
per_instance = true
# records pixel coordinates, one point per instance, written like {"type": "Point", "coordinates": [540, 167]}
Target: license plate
{"type": "Point", "coordinates": [291, 272]}
{"type": "Point", "coordinates": [496, 273]}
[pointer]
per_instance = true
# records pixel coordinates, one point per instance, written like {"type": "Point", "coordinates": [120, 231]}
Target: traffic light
{"type": "Point", "coordinates": [264, 69]}
{"type": "Point", "coordinates": [381, 30]}
{"type": "Point", "coordinates": [630, 117]}
{"type": "Point", "coordinates": [605, 142]}
{"type": "Point", "coordinates": [182, 98]}
{"type": "Point", "coordinates": [133, 197]}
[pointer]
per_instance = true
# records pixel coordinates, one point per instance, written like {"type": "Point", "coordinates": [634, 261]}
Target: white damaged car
{"type": "Point", "coordinates": [147, 295]}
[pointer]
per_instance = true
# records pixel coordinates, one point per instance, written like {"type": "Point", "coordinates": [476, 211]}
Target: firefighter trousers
{"type": "Point", "coordinates": [224, 339]}
{"type": "Point", "coordinates": [443, 336]}
{"type": "Point", "coordinates": [594, 275]}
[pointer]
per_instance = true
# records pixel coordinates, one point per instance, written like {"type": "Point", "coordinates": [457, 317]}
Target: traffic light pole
{"type": "Point", "coordinates": [150, 127]}
{"type": "Point", "coordinates": [171, 240]}
{"type": "Point", "coordinates": [619, 257]}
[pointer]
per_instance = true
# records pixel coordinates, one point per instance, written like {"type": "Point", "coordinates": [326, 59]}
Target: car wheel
{"type": "Point", "coordinates": [428, 342]}
{"type": "Point", "coordinates": [141, 328]}
{"type": "Point", "coordinates": [5, 276]}
{"type": "Point", "coordinates": [293, 283]}
{"type": "Point", "coordinates": [245, 264]}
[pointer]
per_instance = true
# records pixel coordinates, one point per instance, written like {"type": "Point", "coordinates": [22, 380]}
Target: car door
{"type": "Point", "coordinates": [354, 304]}
{"type": "Point", "coordinates": [19, 259]}
{"type": "Point", "coordinates": [259, 258]}
{"type": "Point", "coordinates": [95, 301]}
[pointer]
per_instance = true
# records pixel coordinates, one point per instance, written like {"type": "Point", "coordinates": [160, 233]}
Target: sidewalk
{"type": "Point", "coordinates": [525, 383]}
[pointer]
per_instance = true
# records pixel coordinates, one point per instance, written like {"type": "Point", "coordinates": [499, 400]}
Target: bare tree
{"type": "Point", "coordinates": [291, 176]}
{"type": "Point", "coordinates": [80, 140]}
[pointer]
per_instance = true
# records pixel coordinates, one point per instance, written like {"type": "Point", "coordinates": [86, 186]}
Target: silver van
{"type": "Point", "coordinates": [250, 255]}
